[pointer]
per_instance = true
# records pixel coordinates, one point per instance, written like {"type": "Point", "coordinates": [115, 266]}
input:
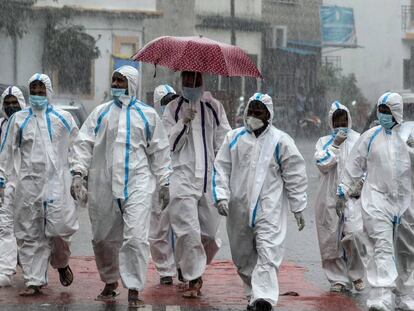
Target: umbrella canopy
{"type": "Point", "coordinates": [198, 54]}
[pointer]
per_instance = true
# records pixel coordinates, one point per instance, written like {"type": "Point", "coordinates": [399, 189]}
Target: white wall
{"type": "Point", "coordinates": [243, 8]}
{"type": "Point", "coordinates": [144, 5]}
{"type": "Point", "coordinates": [29, 60]}
{"type": "Point", "coordinates": [250, 42]}
{"type": "Point", "coordinates": [378, 65]}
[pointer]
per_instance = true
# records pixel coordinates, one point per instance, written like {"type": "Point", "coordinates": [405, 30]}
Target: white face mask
{"type": "Point", "coordinates": [253, 123]}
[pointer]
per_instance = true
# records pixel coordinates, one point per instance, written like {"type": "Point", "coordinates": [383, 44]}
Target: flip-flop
{"type": "Point", "coordinates": [134, 302]}
{"type": "Point", "coordinates": [31, 290]}
{"type": "Point", "coordinates": [65, 276]}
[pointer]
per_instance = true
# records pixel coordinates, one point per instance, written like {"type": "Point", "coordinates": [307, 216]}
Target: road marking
{"type": "Point", "coordinates": [173, 308]}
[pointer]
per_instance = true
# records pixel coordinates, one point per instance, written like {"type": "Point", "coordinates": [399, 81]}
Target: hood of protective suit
{"type": "Point", "coordinates": [16, 92]}
{"type": "Point", "coordinates": [45, 80]}
{"type": "Point", "coordinates": [395, 102]}
{"type": "Point", "coordinates": [266, 100]}
{"type": "Point", "coordinates": [336, 106]}
{"type": "Point", "coordinates": [160, 91]}
{"type": "Point", "coordinates": [132, 76]}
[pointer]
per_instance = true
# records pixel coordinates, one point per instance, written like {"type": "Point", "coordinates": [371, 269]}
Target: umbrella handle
{"type": "Point", "coordinates": [155, 70]}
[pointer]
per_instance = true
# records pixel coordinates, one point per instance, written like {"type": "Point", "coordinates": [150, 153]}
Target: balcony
{"type": "Point", "coordinates": [407, 22]}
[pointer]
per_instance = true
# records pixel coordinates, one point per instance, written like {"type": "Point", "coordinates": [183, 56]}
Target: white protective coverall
{"type": "Point", "coordinates": [120, 147]}
{"type": "Point", "coordinates": [193, 217]}
{"type": "Point", "coordinates": [8, 255]}
{"type": "Point", "coordinates": [387, 209]}
{"type": "Point", "coordinates": [161, 237]}
{"type": "Point", "coordinates": [260, 177]}
{"type": "Point", "coordinates": [338, 238]}
{"type": "Point", "coordinates": [45, 215]}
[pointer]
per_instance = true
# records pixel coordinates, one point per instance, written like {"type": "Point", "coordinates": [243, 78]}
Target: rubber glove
{"type": "Point", "coordinates": [340, 137]}
{"type": "Point", "coordinates": [410, 141]}
{"type": "Point", "coordinates": [358, 189]}
{"type": "Point", "coordinates": [188, 115]}
{"type": "Point", "coordinates": [300, 220]}
{"type": "Point", "coordinates": [2, 186]}
{"type": "Point", "coordinates": [340, 207]}
{"type": "Point", "coordinates": [78, 190]}
{"type": "Point", "coordinates": [164, 196]}
{"type": "Point", "coordinates": [223, 207]}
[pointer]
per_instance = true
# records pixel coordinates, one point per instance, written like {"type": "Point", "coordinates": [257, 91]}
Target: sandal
{"type": "Point", "coordinates": [109, 292]}
{"type": "Point", "coordinates": [31, 290]}
{"type": "Point", "coordinates": [133, 300]}
{"type": "Point", "coordinates": [65, 276]}
{"type": "Point", "coordinates": [194, 288]}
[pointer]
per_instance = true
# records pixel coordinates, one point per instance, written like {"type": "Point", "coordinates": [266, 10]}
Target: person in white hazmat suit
{"type": "Point", "coordinates": [121, 147]}
{"type": "Point", "coordinates": [12, 100]}
{"type": "Point", "coordinates": [338, 239]}
{"type": "Point", "coordinates": [161, 237]}
{"type": "Point", "coordinates": [197, 125]}
{"type": "Point", "coordinates": [34, 156]}
{"type": "Point", "coordinates": [387, 211]}
{"type": "Point", "coordinates": [258, 175]}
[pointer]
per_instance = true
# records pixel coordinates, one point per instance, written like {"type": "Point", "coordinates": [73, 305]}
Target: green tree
{"type": "Point", "coordinates": [69, 51]}
{"type": "Point", "coordinates": [14, 15]}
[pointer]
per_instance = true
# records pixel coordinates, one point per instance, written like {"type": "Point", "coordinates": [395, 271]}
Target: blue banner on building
{"type": "Point", "coordinates": [338, 26]}
{"type": "Point", "coordinates": [119, 61]}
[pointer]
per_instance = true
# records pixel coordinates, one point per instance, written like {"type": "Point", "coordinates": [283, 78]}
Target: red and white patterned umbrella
{"type": "Point", "coordinates": [198, 54]}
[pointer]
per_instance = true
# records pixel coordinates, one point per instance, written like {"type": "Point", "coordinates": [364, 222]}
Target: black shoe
{"type": "Point", "coordinates": [262, 305]}
{"type": "Point", "coordinates": [250, 308]}
{"type": "Point", "coordinates": [180, 275]}
{"type": "Point", "coordinates": [166, 280]}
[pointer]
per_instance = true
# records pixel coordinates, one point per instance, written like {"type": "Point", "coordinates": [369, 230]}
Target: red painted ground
{"type": "Point", "coordinates": [222, 289]}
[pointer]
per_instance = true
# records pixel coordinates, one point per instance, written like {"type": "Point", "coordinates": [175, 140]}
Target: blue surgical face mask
{"type": "Point", "coordinates": [386, 120]}
{"type": "Point", "coordinates": [38, 102]}
{"type": "Point", "coordinates": [192, 94]}
{"type": "Point", "coordinates": [342, 129]}
{"type": "Point", "coordinates": [117, 93]}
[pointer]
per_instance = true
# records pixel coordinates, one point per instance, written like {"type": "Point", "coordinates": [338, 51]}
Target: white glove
{"type": "Point", "coordinates": [340, 137]}
{"type": "Point", "coordinates": [189, 115]}
{"type": "Point", "coordinates": [300, 220]}
{"type": "Point", "coordinates": [78, 190]}
{"type": "Point", "coordinates": [164, 196]}
{"type": "Point", "coordinates": [223, 207]}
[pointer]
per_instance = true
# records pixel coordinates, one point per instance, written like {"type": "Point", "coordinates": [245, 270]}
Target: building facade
{"type": "Point", "coordinates": [291, 56]}
{"type": "Point", "coordinates": [382, 60]}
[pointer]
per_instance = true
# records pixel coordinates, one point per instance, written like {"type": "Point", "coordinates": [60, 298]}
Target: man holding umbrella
{"type": "Point", "coordinates": [197, 125]}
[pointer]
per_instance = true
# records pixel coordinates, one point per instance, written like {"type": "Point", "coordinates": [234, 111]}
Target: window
{"type": "Point", "coordinates": [276, 37]}
{"type": "Point", "coordinates": [125, 46]}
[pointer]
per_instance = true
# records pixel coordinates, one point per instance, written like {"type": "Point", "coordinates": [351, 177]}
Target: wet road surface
{"type": "Point", "coordinates": [301, 273]}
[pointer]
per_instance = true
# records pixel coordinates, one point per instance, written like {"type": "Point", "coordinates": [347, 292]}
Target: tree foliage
{"type": "Point", "coordinates": [14, 15]}
{"type": "Point", "coordinates": [69, 51]}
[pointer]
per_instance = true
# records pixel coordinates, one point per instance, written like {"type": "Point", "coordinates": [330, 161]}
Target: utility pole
{"type": "Point", "coordinates": [232, 15]}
